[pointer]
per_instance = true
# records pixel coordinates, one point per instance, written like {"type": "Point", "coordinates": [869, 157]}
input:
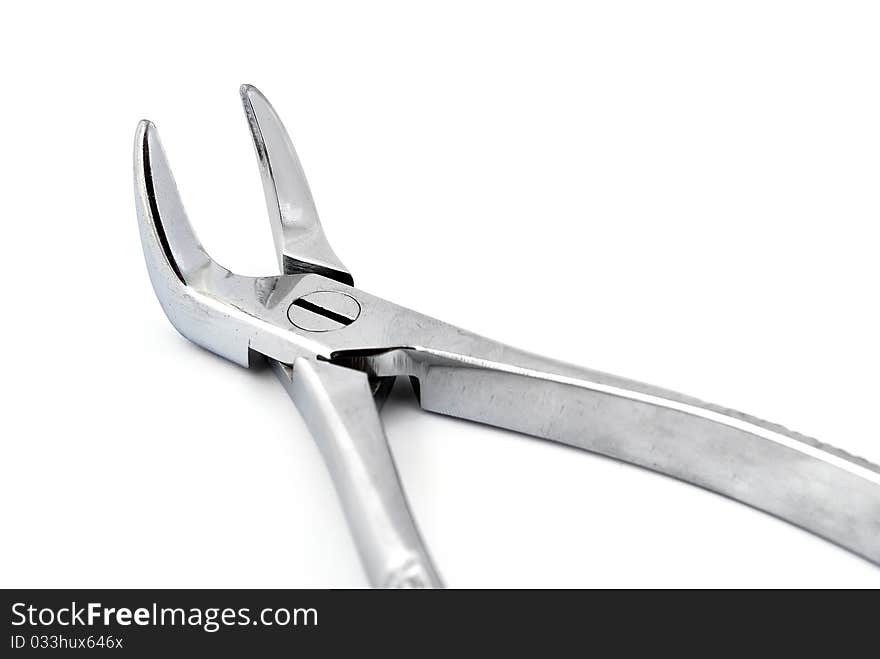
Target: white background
{"type": "Point", "coordinates": [681, 193]}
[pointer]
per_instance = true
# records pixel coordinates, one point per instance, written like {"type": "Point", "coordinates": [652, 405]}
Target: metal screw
{"type": "Point", "coordinates": [323, 311]}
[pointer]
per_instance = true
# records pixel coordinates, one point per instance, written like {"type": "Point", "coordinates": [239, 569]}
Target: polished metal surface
{"type": "Point", "coordinates": [332, 345]}
{"type": "Point", "coordinates": [299, 238]}
{"type": "Point", "coordinates": [338, 409]}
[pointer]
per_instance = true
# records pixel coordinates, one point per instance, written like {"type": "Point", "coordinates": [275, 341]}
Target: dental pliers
{"type": "Point", "coordinates": [337, 350]}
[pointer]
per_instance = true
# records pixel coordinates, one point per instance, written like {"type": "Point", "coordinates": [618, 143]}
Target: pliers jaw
{"type": "Point", "coordinates": [299, 238]}
{"type": "Point", "coordinates": [201, 298]}
{"type": "Point", "coordinates": [232, 315]}
{"type": "Point", "coordinates": [180, 270]}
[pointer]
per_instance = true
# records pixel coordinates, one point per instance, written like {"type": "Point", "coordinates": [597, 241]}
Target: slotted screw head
{"type": "Point", "coordinates": [323, 311]}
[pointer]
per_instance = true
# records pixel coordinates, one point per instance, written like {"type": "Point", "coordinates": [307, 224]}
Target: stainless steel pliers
{"type": "Point", "coordinates": [337, 350]}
